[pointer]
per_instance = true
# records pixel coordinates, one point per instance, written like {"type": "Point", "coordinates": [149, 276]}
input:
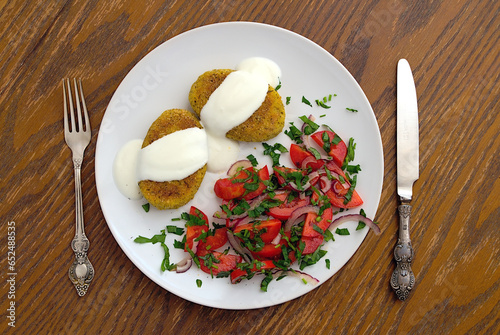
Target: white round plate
{"type": "Point", "coordinates": [162, 79]}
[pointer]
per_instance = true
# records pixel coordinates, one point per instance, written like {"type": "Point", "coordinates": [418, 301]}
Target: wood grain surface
{"type": "Point", "coordinates": [453, 47]}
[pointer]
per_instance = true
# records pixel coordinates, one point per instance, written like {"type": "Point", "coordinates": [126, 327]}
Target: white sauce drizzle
{"type": "Point", "coordinates": [233, 102]}
{"type": "Point", "coordinates": [241, 93]}
{"type": "Point", "coordinates": [173, 157]}
{"type": "Point", "coordinates": [125, 170]}
{"type": "Point", "coordinates": [263, 67]}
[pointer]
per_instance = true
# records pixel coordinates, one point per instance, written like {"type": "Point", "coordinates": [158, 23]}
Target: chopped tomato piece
{"type": "Point", "coordinates": [311, 244]}
{"type": "Point", "coordinates": [214, 241]}
{"type": "Point", "coordinates": [337, 193]}
{"type": "Point", "coordinates": [227, 190]}
{"type": "Point", "coordinates": [338, 201]}
{"type": "Point", "coordinates": [311, 221]}
{"type": "Point", "coordinates": [263, 175]}
{"type": "Point", "coordinates": [194, 231]}
{"type": "Point", "coordinates": [234, 187]}
{"type": "Point", "coordinates": [269, 251]}
{"type": "Point", "coordinates": [283, 211]}
{"type": "Point", "coordinates": [213, 262]}
{"type": "Point", "coordinates": [238, 274]}
{"type": "Point", "coordinates": [299, 154]}
{"type": "Point", "coordinates": [267, 229]}
{"type": "Point", "coordinates": [312, 238]}
{"type": "Point", "coordinates": [337, 151]}
{"type": "Point", "coordinates": [283, 173]}
{"type": "Point", "coordinates": [196, 212]}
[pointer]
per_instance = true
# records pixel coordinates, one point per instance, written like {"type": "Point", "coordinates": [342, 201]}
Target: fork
{"type": "Point", "coordinates": [77, 134]}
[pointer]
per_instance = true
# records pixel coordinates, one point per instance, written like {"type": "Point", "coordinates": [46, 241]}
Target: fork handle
{"type": "Point", "coordinates": [81, 271]}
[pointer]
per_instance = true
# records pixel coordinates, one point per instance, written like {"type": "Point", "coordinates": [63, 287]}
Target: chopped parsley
{"type": "Point", "coordinates": [294, 133]}
{"type": "Point", "coordinates": [252, 160]}
{"type": "Point", "coordinates": [361, 224]}
{"type": "Point", "coordinates": [342, 231]}
{"type": "Point", "coordinates": [175, 230]}
{"type": "Point", "coordinates": [322, 104]}
{"type": "Point", "coordinates": [279, 85]}
{"type": "Point", "coordinates": [274, 151]}
{"type": "Point", "coordinates": [159, 238]}
{"type": "Point", "coordinates": [305, 101]}
{"type": "Point", "coordinates": [351, 146]}
{"type": "Point", "coordinates": [310, 127]}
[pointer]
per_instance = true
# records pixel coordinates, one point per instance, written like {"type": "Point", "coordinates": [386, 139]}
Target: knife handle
{"type": "Point", "coordinates": [402, 279]}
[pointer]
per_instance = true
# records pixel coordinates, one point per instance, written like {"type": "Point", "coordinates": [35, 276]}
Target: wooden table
{"type": "Point", "coordinates": [453, 49]}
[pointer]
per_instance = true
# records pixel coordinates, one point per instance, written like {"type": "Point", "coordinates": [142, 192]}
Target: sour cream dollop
{"type": "Point", "coordinates": [125, 170]}
{"type": "Point", "coordinates": [263, 67]}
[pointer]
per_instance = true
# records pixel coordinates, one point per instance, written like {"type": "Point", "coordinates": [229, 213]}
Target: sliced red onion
{"type": "Point", "coordinates": [302, 188]}
{"type": "Point", "coordinates": [194, 249]}
{"type": "Point", "coordinates": [306, 139]}
{"type": "Point", "coordinates": [247, 220]}
{"type": "Point", "coordinates": [297, 214]}
{"type": "Point", "coordinates": [325, 183]}
{"type": "Point", "coordinates": [235, 244]}
{"type": "Point", "coordinates": [237, 166]}
{"type": "Point", "coordinates": [252, 203]}
{"type": "Point", "coordinates": [304, 276]}
{"type": "Point", "coordinates": [302, 195]}
{"type": "Point", "coordinates": [184, 265]}
{"type": "Point", "coordinates": [333, 172]}
{"type": "Point", "coordinates": [354, 217]}
{"type": "Point", "coordinates": [310, 117]}
{"type": "Point", "coordinates": [313, 177]}
{"type": "Point", "coordinates": [276, 240]}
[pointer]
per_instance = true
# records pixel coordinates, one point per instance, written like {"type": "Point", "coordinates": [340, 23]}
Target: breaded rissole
{"type": "Point", "coordinates": [171, 194]}
{"type": "Point", "coordinates": [265, 123]}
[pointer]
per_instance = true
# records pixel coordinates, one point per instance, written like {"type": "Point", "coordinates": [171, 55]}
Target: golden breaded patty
{"type": "Point", "coordinates": [176, 193]}
{"type": "Point", "coordinates": [264, 124]}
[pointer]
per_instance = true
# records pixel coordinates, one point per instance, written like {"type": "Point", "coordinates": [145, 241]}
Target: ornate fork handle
{"type": "Point", "coordinates": [81, 271]}
{"type": "Point", "coordinates": [402, 279]}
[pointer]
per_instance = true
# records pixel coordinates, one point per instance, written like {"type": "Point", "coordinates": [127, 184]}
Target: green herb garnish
{"type": "Point", "coordinates": [310, 127]}
{"type": "Point", "coordinates": [274, 151]}
{"type": "Point", "coordinates": [294, 133]}
{"type": "Point", "coordinates": [252, 160]}
{"type": "Point", "coordinates": [175, 230]}
{"type": "Point", "coordinates": [307, 102]}
{"type": "Point", "coordinates": [342, 231]}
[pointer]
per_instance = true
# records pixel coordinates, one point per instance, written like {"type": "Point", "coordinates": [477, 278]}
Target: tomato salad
{"type": "Point", "coordinates": [276, 219]}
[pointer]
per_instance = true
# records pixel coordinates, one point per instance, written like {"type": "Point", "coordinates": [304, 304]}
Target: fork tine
{"type": "Point", "coordinates": [78, 108]}
{"type": "Point", "coordinates": [71, 109]}
{"type": "Point", "coordinates": [84, 105]}
{"type": "Point", "coordinates": [66, 125]}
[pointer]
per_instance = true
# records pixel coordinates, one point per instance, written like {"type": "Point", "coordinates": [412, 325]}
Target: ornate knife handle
{"type": "Point", "coordinates": [402, 279]}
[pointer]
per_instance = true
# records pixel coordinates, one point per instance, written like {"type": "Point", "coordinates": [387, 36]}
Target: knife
{"type": "Point", "coordinates": [402, 279]}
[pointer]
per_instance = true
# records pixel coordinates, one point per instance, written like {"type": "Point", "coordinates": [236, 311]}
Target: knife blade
{"type": "Point", "coordinates": [407, 147]}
